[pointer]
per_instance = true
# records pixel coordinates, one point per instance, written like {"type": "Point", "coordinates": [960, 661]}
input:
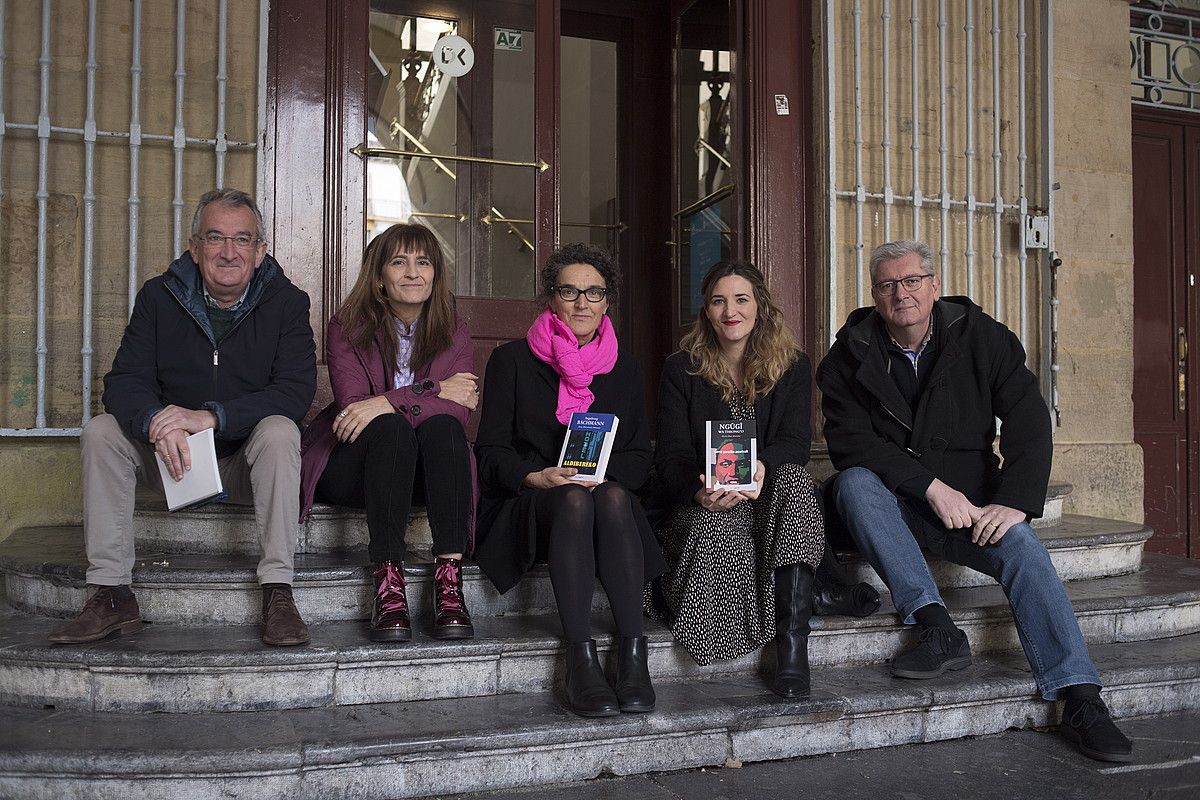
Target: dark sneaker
{"type": "Point", "coordinates": [1088, 724]}
{"type": "Point", "coordinates": [112, 609]}
{"type": "Point", "coordinates": [937, 650]}
{"type": "Point", "coordinates": [282, 624]}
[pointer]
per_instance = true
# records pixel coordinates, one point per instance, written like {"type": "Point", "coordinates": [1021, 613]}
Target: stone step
{"type": "Point", "coordinates": [46, 568]}
{"type": "Point", "coordinates": [222, 528]}
{"type": "Point", "coordinates": [174, 669]}
{"type": "Point", "coordinates": [448, 746]}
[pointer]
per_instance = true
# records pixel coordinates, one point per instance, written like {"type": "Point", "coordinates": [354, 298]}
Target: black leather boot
{"type": "Point", "coordinates": [588, 692]}
{"type": "Point", "coordinates": [793, 610]}
{"type": "Point", "coordinates": [634, 692]}
{"type": "Point", "coordinates": [859, 600]}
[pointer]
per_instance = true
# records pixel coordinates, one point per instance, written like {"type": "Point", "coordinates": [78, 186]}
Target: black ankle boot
{"type": "Point", "coordinates": [588, 692]}
{"type": "Point", "coordinates": [859, 600]}
{"type": "Point", "coordinates": [793, 609]}
{"type": "Point", "coordinates": [634, 692]}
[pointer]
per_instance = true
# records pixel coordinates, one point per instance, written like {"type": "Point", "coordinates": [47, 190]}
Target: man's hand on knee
{"type": "Point", "coordinates": [951, 506]}
{"type": "Point", "coordinates": [173, 448]}
{"type": "Point", "coordinates": [993, 522]}
{"type": "Point", "coordinates": [177, 418]}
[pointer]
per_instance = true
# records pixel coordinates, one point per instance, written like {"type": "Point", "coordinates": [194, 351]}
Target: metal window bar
{"type": "Point", "coordinates": [867, 73]}
{"type": "Point", "coordinates": [45, 131]}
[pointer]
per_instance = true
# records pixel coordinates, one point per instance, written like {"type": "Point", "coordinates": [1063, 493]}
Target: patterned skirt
{"type": "Point", "coordinates": [719, 590]}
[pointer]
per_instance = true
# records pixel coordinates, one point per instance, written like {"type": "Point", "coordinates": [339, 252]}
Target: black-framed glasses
{"type": "Point", "coordinates": [910, 283]}
{"type": "Point", "coordinates": [242, 241]}
{"type": "Point", "coordinates": [570, 294]}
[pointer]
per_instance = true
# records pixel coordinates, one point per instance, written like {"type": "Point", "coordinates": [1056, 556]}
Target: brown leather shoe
{"type": "Point", "coordinates": [112, 609]}
{"type": "Point", "coordinates": [389, 615]}
{"type": "Point", "coordinates": [451, 620]}
{"type": "Point", "coordinates": [282, 624]}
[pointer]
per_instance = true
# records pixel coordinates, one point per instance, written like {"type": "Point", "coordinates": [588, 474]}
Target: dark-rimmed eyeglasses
{"type": "Point", "coordinates": [570, 294]}
{"type": "Point", "coordinates": [242, 241]}
{"type": "Point", "coordinates": [910, 283]}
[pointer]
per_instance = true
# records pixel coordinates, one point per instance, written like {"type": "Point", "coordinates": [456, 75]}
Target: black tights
{"type": "Point", "coordinates": [389, 466]}
{"type": "Point", "coordinates": [592, 533]}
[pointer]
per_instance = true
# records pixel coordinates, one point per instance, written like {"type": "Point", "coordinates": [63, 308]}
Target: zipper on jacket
{"type": "Point", "coordinates": [216, 363]}
{"type": "Point", "coordinates": [907, 427]}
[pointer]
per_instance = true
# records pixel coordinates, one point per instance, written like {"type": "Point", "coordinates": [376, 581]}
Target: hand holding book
{"type": "Point", "coordinates": [725, 499]}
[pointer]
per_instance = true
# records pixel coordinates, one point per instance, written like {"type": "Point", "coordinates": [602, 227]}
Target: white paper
{"type": "Point", "coordinates": [201, 482]}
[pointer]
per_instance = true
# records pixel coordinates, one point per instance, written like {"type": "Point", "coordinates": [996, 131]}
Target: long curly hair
{"type": "Point", "coordinates": [770, 349]}
{"type": "Point", "coordinates": [366, 312]}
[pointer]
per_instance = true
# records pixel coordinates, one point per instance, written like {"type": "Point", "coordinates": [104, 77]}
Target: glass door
{"type": "Point", "coordinates": [705, 219]}
{"type": "Point", "coordinates": [450, 143]}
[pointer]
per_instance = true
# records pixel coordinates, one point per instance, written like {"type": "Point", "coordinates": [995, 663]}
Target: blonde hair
{"type": "Point", "coordinates": [770, 349]}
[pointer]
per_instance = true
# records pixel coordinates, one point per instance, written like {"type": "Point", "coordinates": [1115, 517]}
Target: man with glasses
{"type": "Point", "coordinates": [911, 390]}
{"type": "Point", "coordinates": [221, 340]}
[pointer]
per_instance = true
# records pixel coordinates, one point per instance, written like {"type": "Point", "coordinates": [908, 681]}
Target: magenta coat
{"type": "Point", "coordinates": [357, 374]}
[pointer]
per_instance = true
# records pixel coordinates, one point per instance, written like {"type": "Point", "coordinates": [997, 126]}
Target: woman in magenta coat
{"type": "Point", "coordinates": [402, 371]}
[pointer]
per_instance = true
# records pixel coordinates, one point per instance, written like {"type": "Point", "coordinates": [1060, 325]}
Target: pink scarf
{"type": "Point", "coordinates": [553, 342]}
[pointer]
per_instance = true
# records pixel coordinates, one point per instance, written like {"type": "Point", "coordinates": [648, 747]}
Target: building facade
{"type": "Point", "coordinates": [798, 135]}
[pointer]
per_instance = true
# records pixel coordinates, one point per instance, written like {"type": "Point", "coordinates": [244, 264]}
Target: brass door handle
{"type": "Point", "coordinates": [1182, 345]}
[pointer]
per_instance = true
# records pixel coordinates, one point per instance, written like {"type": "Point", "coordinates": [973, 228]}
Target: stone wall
{"type": "Point", "coordinates": [1093, 207]}
{"type": "Point", "coordinates": [40, 479]}
{"type": "Point", "coordinates": [1094, 237]}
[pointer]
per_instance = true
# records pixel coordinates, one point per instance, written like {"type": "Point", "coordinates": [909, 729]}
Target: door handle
{"type": "Point", "coordinates": [1181, 345]}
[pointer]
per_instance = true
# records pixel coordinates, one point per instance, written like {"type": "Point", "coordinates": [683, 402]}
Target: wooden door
{"type": "Point", "coordinates": [1166, 395]}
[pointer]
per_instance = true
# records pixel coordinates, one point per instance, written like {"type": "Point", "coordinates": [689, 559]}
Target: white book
{"type": "Point", "coordinates": [202, 482]}
{"type": "Point", "coordinates": [588, 444]}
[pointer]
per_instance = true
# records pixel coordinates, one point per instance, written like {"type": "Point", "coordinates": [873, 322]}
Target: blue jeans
{"type": "Point", "coordinates": [890, 535]}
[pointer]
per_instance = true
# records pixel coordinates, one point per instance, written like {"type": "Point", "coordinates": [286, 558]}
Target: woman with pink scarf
{"type": "Point", "coordinates": [531, 509]}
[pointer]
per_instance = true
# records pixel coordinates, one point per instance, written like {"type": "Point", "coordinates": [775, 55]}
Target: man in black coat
{"type": "Point", "coordinates": [911, 390]}
{"type": "Point", "coordinates": [220, 341]}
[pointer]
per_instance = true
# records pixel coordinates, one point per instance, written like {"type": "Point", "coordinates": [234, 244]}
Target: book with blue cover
{"type": "Point", "coordinates": [588, 444]}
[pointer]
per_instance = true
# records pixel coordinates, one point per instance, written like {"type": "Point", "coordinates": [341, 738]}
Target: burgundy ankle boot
{"type": "Point", "coordinates": [389, 618]}
{"type": "Point", "coordinates": [451, 620]}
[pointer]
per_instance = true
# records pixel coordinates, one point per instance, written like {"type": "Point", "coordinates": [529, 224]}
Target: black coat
{"type": "Point", "coordinates": [980, 374]}
{"type": "Point", "coordinates": [264, 365]}
{"type": "Point", "coordinates": [519, 434]}
{"type": "Point", "coordinates": [686, 402]}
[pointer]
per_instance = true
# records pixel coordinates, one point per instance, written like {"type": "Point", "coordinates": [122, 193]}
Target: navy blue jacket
{"type": "Point", "coordinates": [265, 365]}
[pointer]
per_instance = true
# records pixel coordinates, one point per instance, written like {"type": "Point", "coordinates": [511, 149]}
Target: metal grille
{"type": "Point", "coordinates": [1164, 56]}
{"type": "Point", "coordinates": [57, 18]}
{"type": "Point", "coordinates": [940, 114]}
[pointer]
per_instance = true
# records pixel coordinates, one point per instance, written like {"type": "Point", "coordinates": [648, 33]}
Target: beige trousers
{"type": "Point", "coordinates": [264, 473]}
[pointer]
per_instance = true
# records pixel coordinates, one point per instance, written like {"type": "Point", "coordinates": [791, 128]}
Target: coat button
{"type": "Point", "coordinates": [428, 385]}
{"type": "Point", "coordinates": [403, 409]}
{"type": "Point", "coordinates": [937, 443]}
{"type": "Point", "coordinates": [416, 410]}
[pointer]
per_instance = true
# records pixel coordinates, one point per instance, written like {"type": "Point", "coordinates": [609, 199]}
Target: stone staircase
{"type": "Point", "coordinates": [196, 707]}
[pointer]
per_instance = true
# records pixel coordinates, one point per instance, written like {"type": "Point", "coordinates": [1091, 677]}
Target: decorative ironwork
{"type": "Point", "coordinates": [1164, 56]}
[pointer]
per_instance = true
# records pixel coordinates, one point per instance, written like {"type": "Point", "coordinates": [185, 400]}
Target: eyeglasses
{"type": "Point", "coordinates": [570, 294]}
{"type": "Point", "coordinates": [910, 283]}
{"type": "Point", "coordinates": [243, 241]}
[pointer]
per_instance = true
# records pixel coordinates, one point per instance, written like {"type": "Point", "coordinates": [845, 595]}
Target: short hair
{"type": "Point", "coordinates": [899, 249]}
{"type": "Point", "coordinates": [230, 198]}
{"type": "Point", "coordinates": [580, 253]}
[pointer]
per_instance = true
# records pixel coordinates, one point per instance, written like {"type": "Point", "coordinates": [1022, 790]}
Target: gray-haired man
{"type": "Point", "coordinates": [221, 340]}
{"type": "Point", "coordinates": [911, 392]}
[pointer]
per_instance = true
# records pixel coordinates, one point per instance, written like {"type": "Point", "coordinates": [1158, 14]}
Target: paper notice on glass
{"type": "Point", "coordinates": [199, 484]}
